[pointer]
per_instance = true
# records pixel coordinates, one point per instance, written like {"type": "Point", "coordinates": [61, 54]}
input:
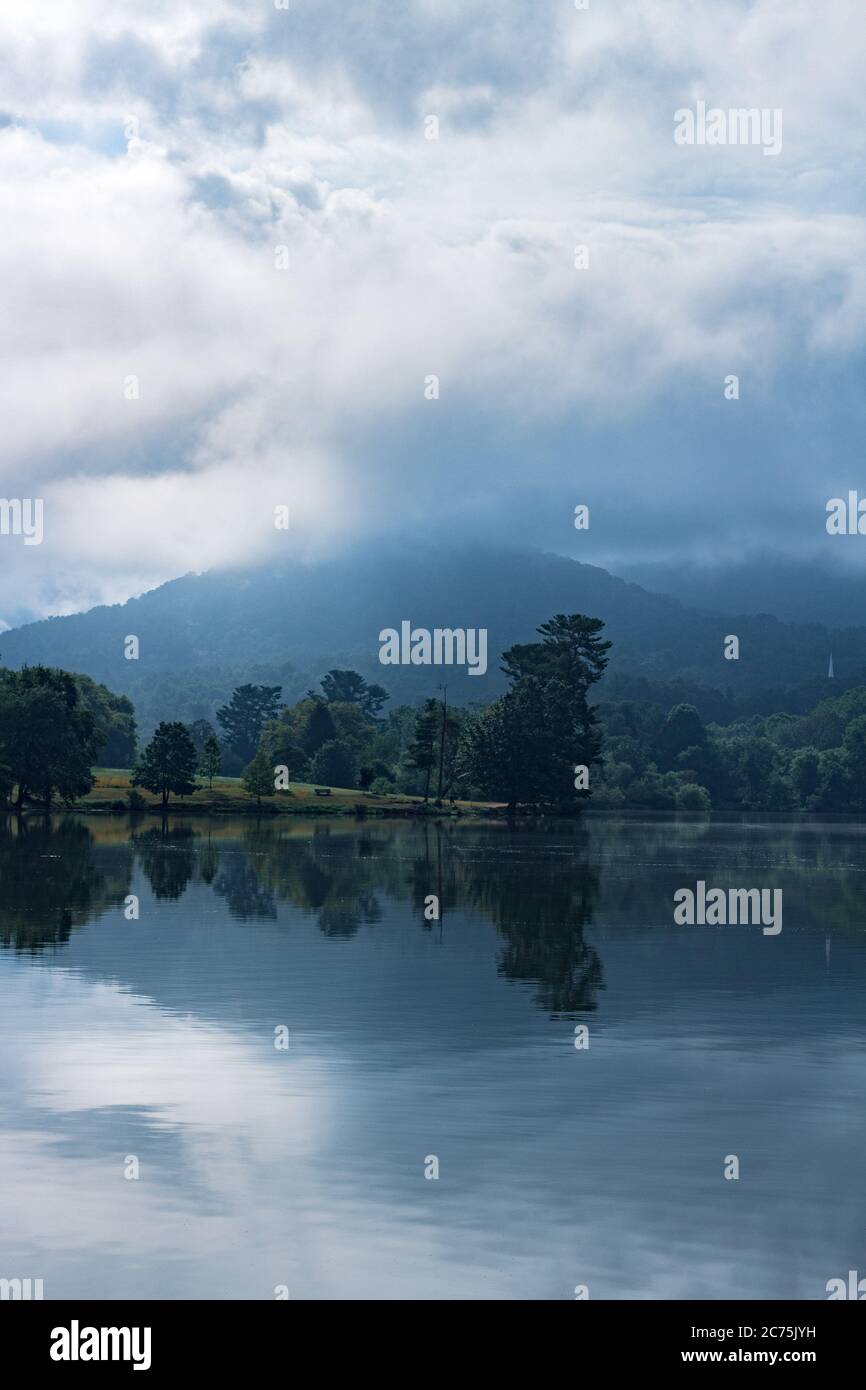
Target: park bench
{"type": "Point", "coordinates": [323, 791]}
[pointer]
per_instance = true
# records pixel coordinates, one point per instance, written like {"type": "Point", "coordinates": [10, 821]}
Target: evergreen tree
{"type": "Point", "coordinates": [318, 728]}
{"type": "Point", "coordinates": [343, 685]}
{"type": "Point", "coordinates": [558, 672]}
{"type": "Point", "coordinates": [168, 763]}
{"type": "Point", "coordinates": [351, 688]}
{"type": "Point", "coordinates": [507, 749]}
{"type": "Point", "coordinates": [246, 714]}
{"type": "Point", "coordinates": [421, 753]}
{"type": "Point", "coordinates": [572, 651]}
{"type": "Point", "coordinates": [374, 698]}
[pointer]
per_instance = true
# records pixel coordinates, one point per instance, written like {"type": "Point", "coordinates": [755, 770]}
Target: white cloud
{"type": "Point", "coordinates": [406, 256]}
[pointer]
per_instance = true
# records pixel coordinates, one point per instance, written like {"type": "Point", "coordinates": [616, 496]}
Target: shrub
{"type": "Point", "coordinates": [695, 799]}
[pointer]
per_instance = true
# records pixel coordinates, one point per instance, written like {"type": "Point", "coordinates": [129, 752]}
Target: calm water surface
{"type": "Point", "coordinates": [305, 1167]}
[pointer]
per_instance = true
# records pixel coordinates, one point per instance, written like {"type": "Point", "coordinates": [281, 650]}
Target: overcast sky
{"type": "Point", "coordinates": [154, 157]}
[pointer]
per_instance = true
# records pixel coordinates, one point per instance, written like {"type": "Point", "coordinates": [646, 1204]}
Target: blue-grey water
{"type": "Point", "coordinates": [151, 1042]}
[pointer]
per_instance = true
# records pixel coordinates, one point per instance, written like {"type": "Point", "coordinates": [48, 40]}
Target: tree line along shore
{"type": "Point", "coordinates": [542, 747]}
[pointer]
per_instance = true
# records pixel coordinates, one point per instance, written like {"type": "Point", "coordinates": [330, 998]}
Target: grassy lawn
{"type": "Point", "coordinates": [112, 784]}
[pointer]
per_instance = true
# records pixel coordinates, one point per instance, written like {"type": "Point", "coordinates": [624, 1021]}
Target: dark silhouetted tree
{"type": "Point", "coordinates": [570, 658]}
{"type": "Point", "coordinates": [352, 688]}
{"type": "Point", "coordinates": [168, 763]}
{"type": "Point", "coordinates": [246, 714]}
{"type": "Point", "coordinates": [335, 766]}
{"type": "Point", "coordinates": [507, 750]}
{"type": "Point", "coordinates": [48, 739]}
{"type": "Point", "coordinates": [318, 728]}
{"type": "Point", "coordinates": [421, 753]}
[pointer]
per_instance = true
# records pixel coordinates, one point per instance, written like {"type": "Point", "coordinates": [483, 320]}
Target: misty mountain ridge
{"type": "Point", "coordinates": [813, 590]}
{"type": "Point", "coordinates": [288, 625]}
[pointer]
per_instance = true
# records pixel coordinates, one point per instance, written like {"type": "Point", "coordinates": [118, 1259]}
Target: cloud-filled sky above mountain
{"type": "Point", "coordinates": [155, 157]}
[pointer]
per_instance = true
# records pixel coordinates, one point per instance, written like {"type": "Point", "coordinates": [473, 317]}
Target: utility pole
{"type": "Point", "coordinates": [444, 689]}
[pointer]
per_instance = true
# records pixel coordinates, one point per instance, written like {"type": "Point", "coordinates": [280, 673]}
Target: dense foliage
{"type": "Point", "coordinates": [244, 717]}
{"type": "Point", "coordinates": [653, 752]}
{"type": "Point", "coordinates": [777, 762]}
{"type": "Point", "coordinates": [48, 737]}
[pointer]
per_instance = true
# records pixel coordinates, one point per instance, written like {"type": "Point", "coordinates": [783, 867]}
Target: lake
{"type": "Point", "coordinates": [249, 1087]}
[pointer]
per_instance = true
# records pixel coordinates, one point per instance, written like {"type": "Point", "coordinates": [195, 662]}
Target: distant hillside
{"type": "Point", "coordinates": [201, 634]}
{"type": "Point", "coordinates": [822, 589]}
